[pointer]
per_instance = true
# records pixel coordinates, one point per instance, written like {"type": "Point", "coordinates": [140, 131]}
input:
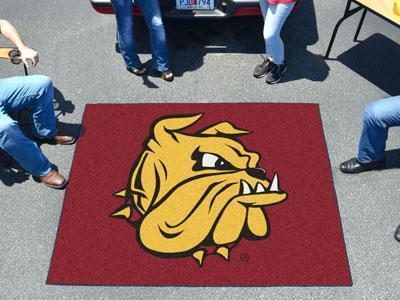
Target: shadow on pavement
{"type": "Point", "coordinates": [392, 159]}
{"type": "Point", "coordinates": [62, 106]}
{"type": "Point", "coordinates": [190, 40]}
{"type": "Point", "coordinates": [300, 32]}
{"type": "Point", "coordinates": [377, 60]}
{"type": "Point", "coordinates": [10, 176]}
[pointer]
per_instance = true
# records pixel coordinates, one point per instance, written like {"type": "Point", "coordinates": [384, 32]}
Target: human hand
{"type": "Point", "coordinates": [29, 56]}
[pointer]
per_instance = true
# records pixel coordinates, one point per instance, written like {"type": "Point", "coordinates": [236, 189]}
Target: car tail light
{"type": "Point", "coordinates": [110, 11]}
{"type": "Point", "coordinates": [247, 11]}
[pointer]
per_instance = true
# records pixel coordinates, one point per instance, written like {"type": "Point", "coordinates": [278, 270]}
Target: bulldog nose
{"type": "Point", "coordinates": [258, 173]}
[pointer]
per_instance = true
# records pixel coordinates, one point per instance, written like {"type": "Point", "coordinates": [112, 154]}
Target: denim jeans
{"type": "Point", "coordinates": [275, 16]}
{"type": "Point", "coordinates": [152, 16]}
{"type": "Point", "coordinates": [379, 116]}
{"type": "Point", "coordinates": [36, 93]}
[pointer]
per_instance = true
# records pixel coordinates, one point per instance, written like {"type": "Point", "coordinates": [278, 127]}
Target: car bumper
{"type": "Point", "coordinates": [223, 9]}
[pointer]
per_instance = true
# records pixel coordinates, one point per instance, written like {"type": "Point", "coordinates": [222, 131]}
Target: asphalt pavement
{"type": "Point", "coordinates": [213, 61]}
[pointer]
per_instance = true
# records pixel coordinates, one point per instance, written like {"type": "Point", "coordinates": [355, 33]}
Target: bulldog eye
{"type": "Point", "coordinates": [209, 160]}
{"type": "Point", "coordinates": [213, 161]}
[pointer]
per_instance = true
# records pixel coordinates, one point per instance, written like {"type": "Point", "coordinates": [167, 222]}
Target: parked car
{"type": "Point", "coordinates": [189, 9]}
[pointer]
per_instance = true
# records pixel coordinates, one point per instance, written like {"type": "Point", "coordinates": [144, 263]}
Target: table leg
{"type": "Point", "coordinates": [25, 69]}
{"type": "Point", "coordinates": [347, 13]}
{"type": "Point", "coordinates": [360, 25]}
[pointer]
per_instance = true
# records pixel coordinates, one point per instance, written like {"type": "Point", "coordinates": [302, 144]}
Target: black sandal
{"type": "Point", "coordinates": [167, 75]}
{"type": "Point", "coordinates": [138, 71]}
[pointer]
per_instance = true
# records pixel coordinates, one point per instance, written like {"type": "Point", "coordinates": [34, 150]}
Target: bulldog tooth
{"type": "Point", "coordinates": [275, 184]}
{"type": "Point", "coordinates": [245, 188]}
{"type": "Point", "coordinates": [199, 256]}
{"type": "Point", "coordinates": [224, 252]}
{"type": "Point", "coordinates": [260, 188]}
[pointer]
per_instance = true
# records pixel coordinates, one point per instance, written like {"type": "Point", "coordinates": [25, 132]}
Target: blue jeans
{"type": "Point", "coordinates": [36, 93]}
{"type": "Point", "coordinates": [152, 16]}
{"type": "Point", "coordinates": [379, 116]}
{"type": "Point", "coordinates": [275, 16]}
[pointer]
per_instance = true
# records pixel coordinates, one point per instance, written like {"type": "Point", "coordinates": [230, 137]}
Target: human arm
{"type": "Point", "coordinates": [29, 56]}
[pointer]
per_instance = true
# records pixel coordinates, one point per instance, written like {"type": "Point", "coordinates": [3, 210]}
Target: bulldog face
{"type": "Point", "coordinates": [197, 190]}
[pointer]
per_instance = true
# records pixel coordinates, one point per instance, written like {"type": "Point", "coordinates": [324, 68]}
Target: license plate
{"type": "Point", "coordinates": [195, 4]}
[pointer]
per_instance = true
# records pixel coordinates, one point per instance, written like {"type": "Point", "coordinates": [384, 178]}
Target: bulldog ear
{"type": "Point", "coordinates": [164, 129]}
{"type": "Point", "coordinates": [145, 181]}
{"type": "Point", "coordinates": [224, 128]}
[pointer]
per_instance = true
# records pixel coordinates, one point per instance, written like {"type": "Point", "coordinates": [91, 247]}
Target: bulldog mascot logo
{"type": "Point", "coordinates": [196, 192]}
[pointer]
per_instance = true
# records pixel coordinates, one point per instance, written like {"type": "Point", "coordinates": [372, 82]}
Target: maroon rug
{"type": "Point", "coordinates": [186, 195]}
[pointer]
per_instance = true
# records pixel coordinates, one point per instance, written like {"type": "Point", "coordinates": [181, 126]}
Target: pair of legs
{"type": "Point", "coordinates": [379, 116]}
{"type": "Point", "coordinates": [274, 16]}
{"type": "Point", "coordinates": [150, 10]}
{"type": "Point", "coordinates": [273, 65]}
{"type": "Point", "coordinates": [35, 93]}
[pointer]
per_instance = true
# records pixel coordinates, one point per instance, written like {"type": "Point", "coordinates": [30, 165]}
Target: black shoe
{"type": "Point", "coordinates": [275, 73]}
{"type": "Point", "coordinates": [353, 166]}
{"type": "Point", "coordinates": [262, 69]}
{"type": "Point", "coordinates": [397, 234]}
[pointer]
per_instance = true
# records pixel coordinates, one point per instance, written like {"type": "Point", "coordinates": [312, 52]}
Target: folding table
{"type": "Point", "coordinates": [381, 8]}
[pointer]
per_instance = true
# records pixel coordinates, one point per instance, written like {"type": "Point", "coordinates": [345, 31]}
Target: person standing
{"type": "Point", "coordinates": [34, 92]}
{"type": "Point", "coordinates": [151, 13]}
{"type": "Point", "coordinates": [275, 13]}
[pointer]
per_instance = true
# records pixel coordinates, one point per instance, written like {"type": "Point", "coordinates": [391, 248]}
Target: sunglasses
{"type": "Point", "coordinates": [14, 56]}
